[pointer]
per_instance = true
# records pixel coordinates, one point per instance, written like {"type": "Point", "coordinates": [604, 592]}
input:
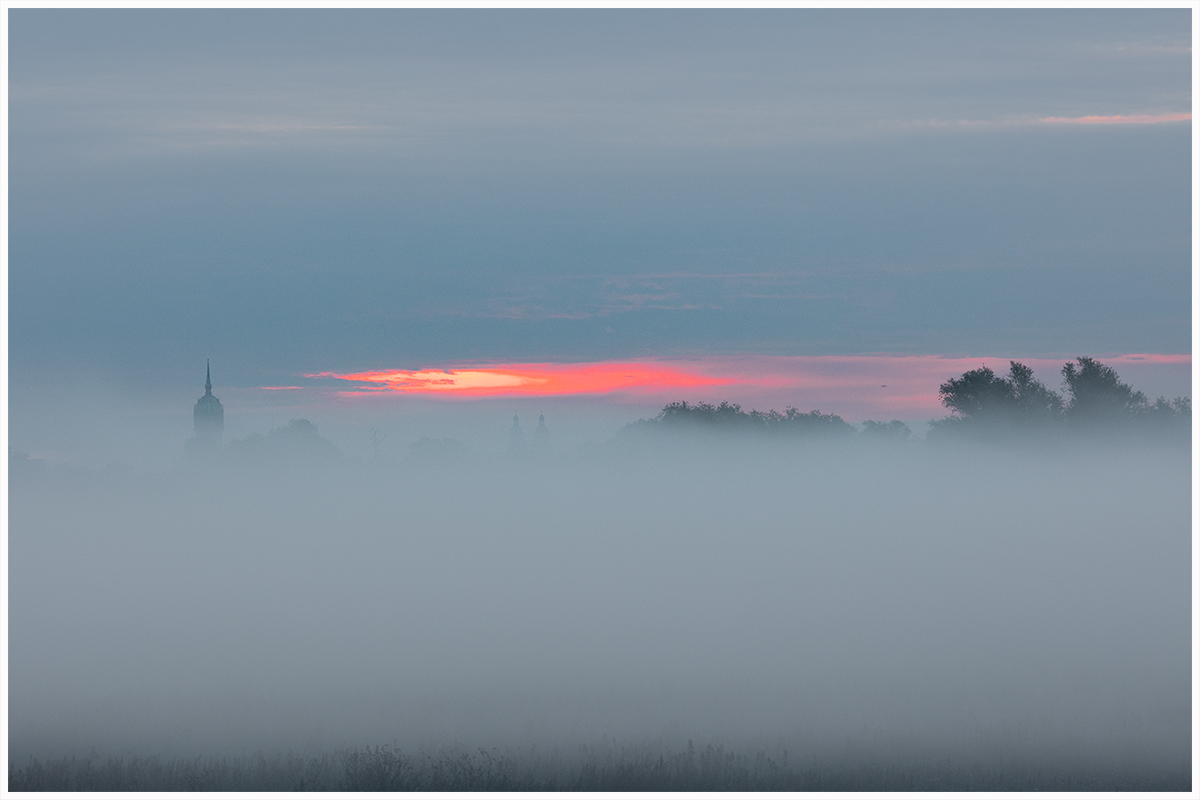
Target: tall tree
{"type": "Point", "coordinates": [1033, 401]}
{"type": "Point", "coordinates": [978, 395]}
{"type": "Point", "coordinates": [1097, 393]}
{"type": "Point", "coordinates": [983, 397]}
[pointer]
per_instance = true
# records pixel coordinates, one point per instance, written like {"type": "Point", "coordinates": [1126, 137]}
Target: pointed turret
{"type": "Point", "coordinates": [516, 437]}
{"type": "Point", "coordinates": [208, 417]}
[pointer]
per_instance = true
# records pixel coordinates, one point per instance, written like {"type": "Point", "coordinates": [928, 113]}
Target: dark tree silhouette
{"type": "Point", "coordinates": [729, 417]}
{"type": "Point", "coordinates": [1032, 400]}
{"type": "Point", "coordinates": [726, 414]}
{"type": "Point", "coordinates": [981, 396]}
{"type": "Point", "coordinates": [1099, 398]}
{"type": "Point", "coordinates": [813, 423]}
{"type": "Point", "coordinates": [978, 395]}
{"type": "Point", "coordinates": [1097, 393]}
{"type": "Point", "coordinates": [989, 404]}
{"type": "Point", "coordinates": [983, 404]}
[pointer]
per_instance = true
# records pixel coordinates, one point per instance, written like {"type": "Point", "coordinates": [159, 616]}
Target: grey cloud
{"type": "Point", "coordinates": [294, 193]}
{"type": "Point", "coordinates": [425, 82]}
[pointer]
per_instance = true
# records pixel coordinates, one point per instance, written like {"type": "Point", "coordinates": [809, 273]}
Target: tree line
{"type": "Point", "coordinates": [980, 404]}
{"type": "Point", "coordinates": [729, 417]}
{"type": "Point", "coordinates": [1094, 398]}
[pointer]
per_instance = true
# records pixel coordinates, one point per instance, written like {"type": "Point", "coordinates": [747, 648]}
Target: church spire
{"type": "Point", "coordinates": [208, 416]}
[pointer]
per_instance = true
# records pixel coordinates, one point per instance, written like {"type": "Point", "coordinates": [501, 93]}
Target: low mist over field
{"type": "Point", "coordinates": [874, 602]}
{"type": "Point", "coordinates": [600, 399]}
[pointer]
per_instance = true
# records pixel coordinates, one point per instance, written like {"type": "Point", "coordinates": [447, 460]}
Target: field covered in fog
{"type": "Point", "coordinates": [429, 268]}
{"type": "Point", "coordinates": [906, 614]}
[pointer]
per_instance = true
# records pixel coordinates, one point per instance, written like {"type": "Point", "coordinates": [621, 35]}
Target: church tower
{"type": "Point", "coordinates": [209, 415]}
{"type": "Point", "coordinates": [541, 436]}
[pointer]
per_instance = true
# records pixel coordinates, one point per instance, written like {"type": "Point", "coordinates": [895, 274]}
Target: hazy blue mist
{"type": "Point", "coordinates": [292, 192]}
{"type": "Point", "coordinates": [912, 602]}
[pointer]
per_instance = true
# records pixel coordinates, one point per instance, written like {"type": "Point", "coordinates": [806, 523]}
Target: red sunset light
{"type": "Point", "coordinates": [858, 386]}
{"type": "Point", "coordinates": [530, 379]}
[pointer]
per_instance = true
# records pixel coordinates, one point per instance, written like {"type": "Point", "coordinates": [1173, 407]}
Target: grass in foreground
{"type": "Point", "coordinates": [709, 769]}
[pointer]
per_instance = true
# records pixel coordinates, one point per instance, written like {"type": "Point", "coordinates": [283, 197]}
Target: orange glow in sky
{"type": "Point", "coordinates": [857, 386]}
{"type": "Point", "coordinates": [513, 380]}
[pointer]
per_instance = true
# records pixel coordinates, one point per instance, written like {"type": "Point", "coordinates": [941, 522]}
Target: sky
{"type": "Point", "coordinates": [299, 195]}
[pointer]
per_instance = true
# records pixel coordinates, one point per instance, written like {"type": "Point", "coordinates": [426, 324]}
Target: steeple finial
{"type": "Point", "coordinates": [207, 378]}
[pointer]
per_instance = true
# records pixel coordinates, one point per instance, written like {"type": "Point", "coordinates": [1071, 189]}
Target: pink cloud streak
{"type": "Point", "coordinates": [1119, 119]}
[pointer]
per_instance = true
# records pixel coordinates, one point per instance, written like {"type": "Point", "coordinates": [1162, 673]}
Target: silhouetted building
{"type": "Point", "coordinates": [209, 415]}
{"type": "Point", "coordinates": [516, 437]}
{"type": "Point", "coordinates": [541, 436]}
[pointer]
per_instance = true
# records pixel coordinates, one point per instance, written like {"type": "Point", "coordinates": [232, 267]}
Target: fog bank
{"type": "Point", "coordinates": [917, 601]}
